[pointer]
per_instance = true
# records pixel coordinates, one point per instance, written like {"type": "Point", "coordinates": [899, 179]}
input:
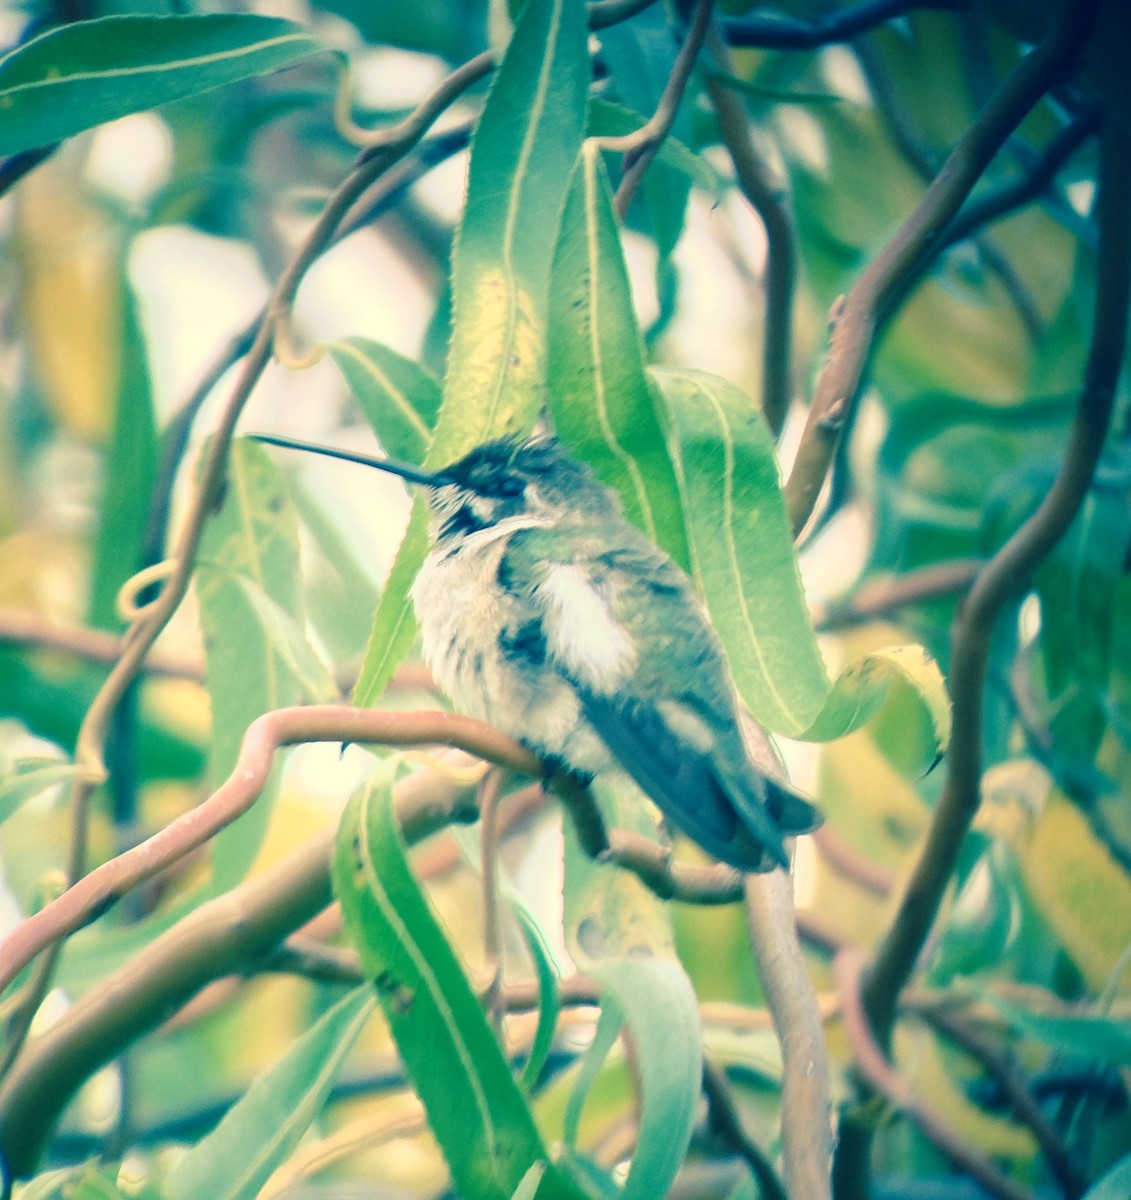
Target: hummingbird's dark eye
{"type": "Point", "coordinates": [511, 486]}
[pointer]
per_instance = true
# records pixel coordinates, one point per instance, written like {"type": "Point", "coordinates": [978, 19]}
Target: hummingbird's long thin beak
{"type": "Point", "coordinates": [404, 470]}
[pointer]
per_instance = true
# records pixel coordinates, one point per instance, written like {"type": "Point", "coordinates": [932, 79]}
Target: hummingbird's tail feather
{"type": "Point", "coordinates": [792, 811]}
{"type": "Point", "coordinates": [685, 785]}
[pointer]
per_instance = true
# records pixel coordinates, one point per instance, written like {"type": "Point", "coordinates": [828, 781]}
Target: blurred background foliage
{"type": "Point", "coordinates": [136, 255]}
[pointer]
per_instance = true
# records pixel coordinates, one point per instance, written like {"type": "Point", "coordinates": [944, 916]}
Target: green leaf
{"type": "Point", "coordinates": [524, 146]}
{"type": "Point", "coordinates": [80, 75]}
{"type": "Point", "coordinates": [394, 625]}
{"type": "Point", "coordinates": [476, 1110]}
{"type": "Point", "coordinates": [598, 391]}
{"type": "Point", "coordinates": [746, 567]}
{"type": "Point", "coordinates": [263, 1129]}
{"type": "Point", "coordinates": [399, 398]}
{"type": "Point", "coordinates": [130, 471]}
{"type": "Point", "coordinates": [288, 639]}
{"type": "Point", "coordinates": [662, 1014]}
{"type": "Point", "coordinates": [620, 932]}
{"type": "Point", "coordinates": [609, 1025]}
{"type": "Point", "coordinates": [30, 776]}
{"type": "Point", "coordinates": [531, 1182]}
{"type": "Point", "coordinates": [1096, 1039]}
{"type": "Point", "coordinates": [254, 536]}
{"type": "Point", "coordinates": [1115, 1185]}
{"type": "Point", "coordinates": [609, 119]}
{"type": "Point", "coordinates": [549, 996]}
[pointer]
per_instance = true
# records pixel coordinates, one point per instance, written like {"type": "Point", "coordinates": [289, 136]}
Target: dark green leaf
{"type": "Point", "coordinates": [80, 75]}
{"type": "Point", "coordinates": [1101, 1040]}
{"type": "Point", "coordinates": [476, 1110]}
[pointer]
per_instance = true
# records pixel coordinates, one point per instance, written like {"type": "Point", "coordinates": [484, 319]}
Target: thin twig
{"type": "Point", "coordinates": [642, 146]}
{"type": "Point", "coordinates": [806, 1108]}
{"type": "Point", "coordinates": [882, 596]}
{"type": "Point", "coordinates": [774, 31]}
{"type": "Point", "coordinates": [859, 316]}
{"type": "Point", "coordinates": [766, 194]}
{"type": "Point", "coordinates": [21, 627]}
{"type": "Point", "coordinates": [724, 1118]}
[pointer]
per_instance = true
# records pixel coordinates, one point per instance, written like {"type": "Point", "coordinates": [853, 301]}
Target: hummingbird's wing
{"type": "Point", "coordinates": [622, 625]}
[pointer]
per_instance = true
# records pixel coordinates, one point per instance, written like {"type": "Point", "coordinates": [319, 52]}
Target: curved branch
{"type": "Point", "coordinates": [1000, 579]}
{"type": "Point", "coordinates": [856, 320]}
{"type": "Point", "coordinates": [90, 896]}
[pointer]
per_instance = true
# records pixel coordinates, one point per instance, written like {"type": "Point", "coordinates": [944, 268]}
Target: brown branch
{"type": "Point", "coordinates": [998, 582]}
{"type": "Point", "coordinates": [765, 192]}
{"type": "Point", "coordinates": [217, 939]}
{"type": "Point", "coordinates": [872, 1063]}
{"type": "Point", "coordinates": [855, 325]}
{"type": "Point", "coordinates": [92, 894]}
{"type": "Point", "coordinates": [806, 1109]}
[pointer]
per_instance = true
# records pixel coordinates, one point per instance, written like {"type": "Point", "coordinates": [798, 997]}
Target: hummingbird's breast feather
{"type": "Point", "coordinates": [489, 650]}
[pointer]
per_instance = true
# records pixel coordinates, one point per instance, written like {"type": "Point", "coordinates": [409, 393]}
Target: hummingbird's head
{"type": "Point", "coordinates": [513, 478]}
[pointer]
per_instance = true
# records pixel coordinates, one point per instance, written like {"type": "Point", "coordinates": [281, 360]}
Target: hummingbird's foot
{"type": "Point", "coordinates": [554, 766]}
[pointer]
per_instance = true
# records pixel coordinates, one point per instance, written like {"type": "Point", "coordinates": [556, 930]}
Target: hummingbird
{"type": "Point", "coordinates": [544, 612]}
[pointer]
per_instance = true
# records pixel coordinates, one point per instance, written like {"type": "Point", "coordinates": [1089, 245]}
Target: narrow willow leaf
{"type": "Point", "coordinates": [263, 1128]}
{"type": "Point", "coordinates": [80, 75]}
{"type": "Point", "coordinates": [1102, 1040]}
{"type": "Point", "coordinates": [620, 932]}
{"type": "Point", "coordinates": [30, 776]}
{"type": "Point", "coordinates": [255, 535]}
{"type": "Point", "coordinates": [524, 146]}
{"type": "Point", "coordinates": [289, 640]}
{"type": "Point", "coordinates": [530, 1184]}
{"type": "Point", "coordinates": [476, 1110]}
{"type": "Point", "coordinates": [609, 1025]}
{"type": "Point", "coordinates": [742, 548]}
{"type": "Point", "coordinates": [399, 398]}
{"type": "Point", "coordinates": [131, 466]}
{"type": "Point", "coordinates": [394, 624]}
{"type": "Point", "coordinates": [598, 391]}
{"type": "Point", "coordinates": [746, 567]}
{"type": "Point", "coordinates": [861, 688]}
{"type": "Point", "coordinates": [549, 997]}
{"type": "Point", "coordinates": [662, 1014]}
